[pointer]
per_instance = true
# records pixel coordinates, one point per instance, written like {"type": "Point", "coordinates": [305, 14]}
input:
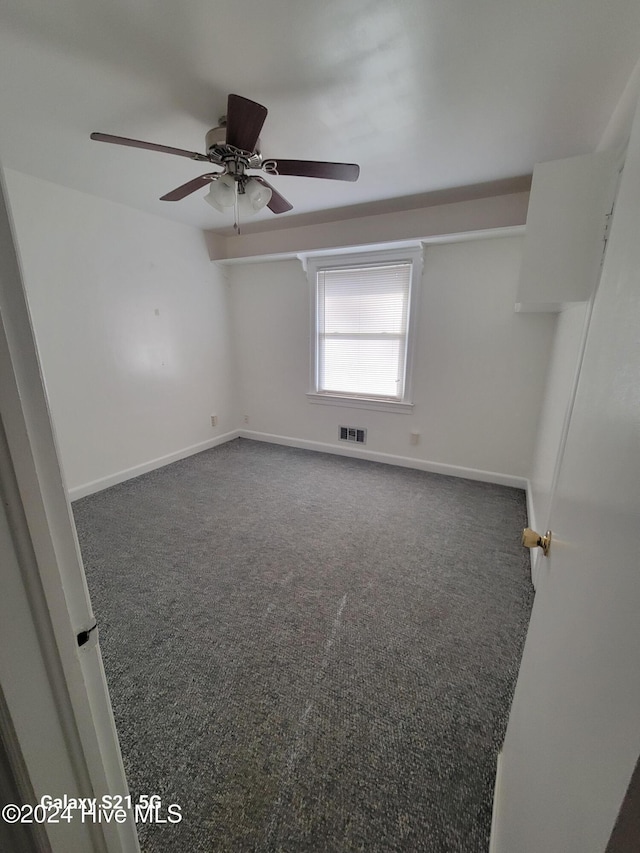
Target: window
{"type": "Point", "coordinates": [362, 313]}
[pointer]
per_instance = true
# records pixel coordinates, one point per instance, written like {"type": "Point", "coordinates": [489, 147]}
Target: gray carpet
{"type": "Point", "coordinates": [309, 652]}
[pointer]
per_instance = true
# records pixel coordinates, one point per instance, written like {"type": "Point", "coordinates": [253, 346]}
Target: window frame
{"type": "Point", "coordinates": [408, 254]}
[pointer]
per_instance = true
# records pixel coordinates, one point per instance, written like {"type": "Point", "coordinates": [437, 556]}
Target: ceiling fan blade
{"type": "Point", "coordinates": [150, 146]}
{"type": "Point", "coordinates": [190, 187]}
{"type": "Point", "coordinates": [278, 203]}
{"type": "Point", "coordinates": [244, 122]}
{"type": "Point", "coordinates": [312, 169]}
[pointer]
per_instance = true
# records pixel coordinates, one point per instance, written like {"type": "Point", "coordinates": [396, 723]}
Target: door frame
{"type": "Point", "coordinates": [58, 720]}
{"type": "Point", "coordinates": [545, 523]}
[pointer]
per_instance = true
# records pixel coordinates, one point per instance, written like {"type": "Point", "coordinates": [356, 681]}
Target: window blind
{"type": "Point", "coordinates": [362, 319]}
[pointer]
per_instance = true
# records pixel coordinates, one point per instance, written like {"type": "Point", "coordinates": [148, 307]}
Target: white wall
{"type": "Point", "coordinates": [480, 367]}
{"type": "Point", "coordinates": [131, 322]}
{"type": "Point", "coordinates": [55, 696]}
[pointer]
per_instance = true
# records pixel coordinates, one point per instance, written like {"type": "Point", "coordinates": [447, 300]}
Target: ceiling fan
{"type": "Point", "coordinates": [234, 146]}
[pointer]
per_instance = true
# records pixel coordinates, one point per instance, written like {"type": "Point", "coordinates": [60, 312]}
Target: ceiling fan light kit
{"type": "Point", "coordinates": [235, 146]}
{"type": "Point", "coordinates": [222, 193]}
{"type": "Point", "coordinates": [248, 194]}
{"type": "Point", "coordinates": [254, 198]}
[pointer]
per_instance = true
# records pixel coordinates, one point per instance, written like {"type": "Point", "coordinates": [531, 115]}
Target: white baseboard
{"type": "Point", "coordinates": [531, 516]}
{"type": "Point", "coordinates": [128, 474]}
{"type": "Point", "coordinates": [390, 459]}
{"type": "Point", "coordinates": [323, 447]}
{"type": "Point", "coordinates": [495, 815]}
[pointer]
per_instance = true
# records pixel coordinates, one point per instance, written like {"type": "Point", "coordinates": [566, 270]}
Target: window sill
{"type": "Point", "coordinates": [360, 403]}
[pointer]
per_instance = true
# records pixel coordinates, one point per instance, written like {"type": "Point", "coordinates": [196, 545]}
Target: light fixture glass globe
{"type": "Point", "coordinates": [254, 197]}
{"type": "Point", "coordinates": [222, 193]}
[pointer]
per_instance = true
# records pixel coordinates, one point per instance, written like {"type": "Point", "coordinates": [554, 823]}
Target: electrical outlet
{"type": "Point", "coordinates": [414, 437]}
{"type": "Point", "coordinates": [246, 419]}
{"type": "Point", "coordinates": [214, 420]}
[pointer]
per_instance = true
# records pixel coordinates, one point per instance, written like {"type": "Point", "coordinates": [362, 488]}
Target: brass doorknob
{"type": "Point", "coordinates": [531, 539]}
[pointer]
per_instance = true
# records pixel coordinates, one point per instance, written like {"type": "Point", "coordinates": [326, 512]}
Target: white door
{"type": "Point", "coordinates": [574, 731]}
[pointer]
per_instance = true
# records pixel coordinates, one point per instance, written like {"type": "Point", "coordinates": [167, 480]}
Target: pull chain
{"type": "Point", "coordinates": [236, 210]}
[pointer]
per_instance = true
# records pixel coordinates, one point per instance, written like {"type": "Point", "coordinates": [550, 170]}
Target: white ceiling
{"type": "Point", "coordinates": [424, 94]}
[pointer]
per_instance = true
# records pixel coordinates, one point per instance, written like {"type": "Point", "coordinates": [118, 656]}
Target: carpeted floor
{"type": "Point", "coordinates": [308, 652]}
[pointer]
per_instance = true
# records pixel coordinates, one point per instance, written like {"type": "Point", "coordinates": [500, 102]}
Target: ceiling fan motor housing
{"type": "Point", "coordinates": [216, 147]}
{"type": "Point", "coordinates": [216, 137]}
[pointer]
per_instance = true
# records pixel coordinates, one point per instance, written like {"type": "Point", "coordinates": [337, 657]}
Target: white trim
{"type": "Point", "coordinates": [434, 240]}
{"type": "Point", "coordinates": [495, 814]}
{"type": "Point", "coordinates": [415, 298]}
{"type": "Point", "coordinates": [348, 255]}
{"type": "Point", "coordinates": [391, 459]}
{"type": "Point", "coordinates": [129, 473]}
{"type": "Point", "coordinates": [572, 397]}
{"type": "Point", "coordinates": [546, 307]}
{"type": "Point", "coordinates": [408, 251]}
{"type": "Point", "coordinates": [531, 516]}
{"type": "Point", "coordinates": [481, 234]}
{"type": "Point", "coordinates": [361, 403]}
{"type": "Point", "coordinates": [531, 522]}
{"type": "Point", "coordinates": [412, 252]}
{"type": "Point", "coordinates": [540, 307]}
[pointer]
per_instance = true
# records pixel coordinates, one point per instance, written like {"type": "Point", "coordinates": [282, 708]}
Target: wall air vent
{"type": "Point", "coordinates": [357, 434]}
